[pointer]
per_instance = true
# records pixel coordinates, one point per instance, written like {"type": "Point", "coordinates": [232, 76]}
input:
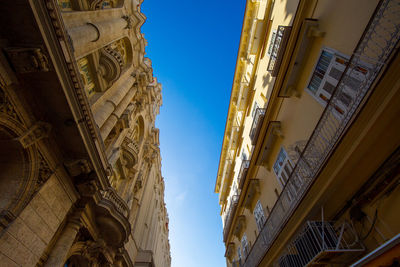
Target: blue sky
{"type": "Point", "coordinates": [193, 46]}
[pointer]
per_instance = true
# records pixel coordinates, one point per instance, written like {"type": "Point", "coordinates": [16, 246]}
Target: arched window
{"type": "Point", "coordinates": [86, 5]}
{"type": "Point", "coordinates": [65, 5]}
{"type": "Point", "coordinates": [102, 68]}
{"type": "Point", "coordinates": [87, 76]}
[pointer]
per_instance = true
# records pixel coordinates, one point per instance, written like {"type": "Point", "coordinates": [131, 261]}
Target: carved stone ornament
{"type": "Point", "coordinates": [37, 132]}
{"type": "Point", "coordinates": [129, 21]}
{"type": "Point", "coordinates": [6, 106]}
{"type": "Point", "coordinates": [26, 60]}
{"type": "Point", "coordinates": [95, 252]}
{"type": "Point", "coordinates": [111, 64]}
{"type": "Point", "coordinates": [78, 167]}
{"type": "Point", "coordinates": [44, 172]}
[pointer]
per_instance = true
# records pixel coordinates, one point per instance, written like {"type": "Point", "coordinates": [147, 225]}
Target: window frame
{"type": "Point", "coordinates": [259, 215]}
{"type": "Point", "coordinates": [245, 245]}
{"type": "Point", "coordinates": [340, 108]}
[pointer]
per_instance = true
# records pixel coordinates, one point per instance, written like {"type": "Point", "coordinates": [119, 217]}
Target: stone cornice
{"type": "Point", "coordinates": [48, 17]}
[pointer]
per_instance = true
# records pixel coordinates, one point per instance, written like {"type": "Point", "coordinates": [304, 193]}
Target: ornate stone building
{"type": "Point", "coordinates": [80, 165]}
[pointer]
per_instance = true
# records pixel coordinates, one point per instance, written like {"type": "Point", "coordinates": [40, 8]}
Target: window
{"type": "Point", "coordinates": [239, 254]}
{"type": "Point", "coordinates": [276, 49]}
{"type": "Point", "coordinates": [326, 75]}
{"type": "Point", "coordinates": [244, 155]}
{"type": "Point", "coordinates": [255, 107]}
{"type": "Point", "coordinates": [259, 215]}
{"type": "Point", "coordinates": [283, 167]}
{"type": "Point", "coordinates": [245, 245]}
{"type": "Point", "coordinates": [271, 43]}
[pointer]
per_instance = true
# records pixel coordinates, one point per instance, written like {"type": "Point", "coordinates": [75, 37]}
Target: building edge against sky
{"type": "Point", "coordinates": [309, 166]}
{"type": "Point", "coordinates": [80, 181]}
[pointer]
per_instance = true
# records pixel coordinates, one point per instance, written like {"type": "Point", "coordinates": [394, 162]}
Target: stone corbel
{"type": "Point", "coordinates": [77, 167]}
{"type": "Point", "coordinates": [26, 60]}
{"type": "Point", "coordinates": [37, 132]}
{"type": "Point", "coordinates": [142, 79]}
{"type": "Point", "coordinates": [88, 188]}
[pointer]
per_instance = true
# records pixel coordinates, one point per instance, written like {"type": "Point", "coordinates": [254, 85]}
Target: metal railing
{"type": "Point", "coordinates": [319, 242]}
{"type": "Point", "coordinates": [256, 125]}
{"type": "Point", "coordinates": [243, 172]}
{"type": "Point", "coordinates": [229, 216]}
{"type": "Point", "coordinates": [374, 49]}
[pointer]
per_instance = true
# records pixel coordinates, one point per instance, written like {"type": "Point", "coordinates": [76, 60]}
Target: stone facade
{"type": "Point", "coordinates": [80, 165]}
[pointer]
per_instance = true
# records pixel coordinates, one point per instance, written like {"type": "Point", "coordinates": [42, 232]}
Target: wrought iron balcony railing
{"type": "Point", "coordinates": [319, 243]}
{"type": "Point", "coordinates": [243, 172]}
{"type": "Point", "coordinates": [229, 216]}
{"type": "Point", "coordinates": [374, 48]}
{"type": "Point", "coordinates": [256, 125]}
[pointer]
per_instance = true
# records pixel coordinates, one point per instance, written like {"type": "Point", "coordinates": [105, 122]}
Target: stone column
{"type": "Point", "coordinates": [59, 253]}
{"type": "Point", "coordinates": [92, 36]}
{"type": "Point", "coordinates": [111, 99]}
{"type": "Point", "coordinates": [112, 120]}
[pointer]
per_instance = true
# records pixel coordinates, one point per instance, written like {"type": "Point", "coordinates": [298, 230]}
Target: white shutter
{"type": "Point", "coordinates": [259, 215]}
{"type": "Point", "coordinates": [327, 73]}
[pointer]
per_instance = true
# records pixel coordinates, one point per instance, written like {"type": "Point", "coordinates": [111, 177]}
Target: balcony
{"type": "Point", "coordinates": [272, 133]}
{"type": "Point", "coordinates": [240, 226]}
{"type": "Point", "coordinates": [243, 172]}
{"type": "Point", "coordinates": [253, 190]}
{"type": "Point", "coordinates": [320, 243]}
{"type": "Point", "coordinates": [375, 48]}
{"type": "Point", "coordinates": [111, 213]}
{"type": "Point", "coordinates": [229, 215]}
{"type": "Point", "coordinates": [278, 49]}
{"type": "Point", "coordinates": [110, 195]}
{"type": "Point", "coordinates": [230, 251]}
{"type": "Point", "coordinates": [256, 125]}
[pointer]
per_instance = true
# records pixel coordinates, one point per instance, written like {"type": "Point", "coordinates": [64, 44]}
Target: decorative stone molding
{"type": "Point", "coordinates": [26, 60]}
{"type": "Point", "coordinates": [37, 132]}
{"type": "Point", "coordinates": [138, 20]}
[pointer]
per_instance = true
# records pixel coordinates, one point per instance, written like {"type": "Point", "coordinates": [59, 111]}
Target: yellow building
{"type": "Point", "coordinates": [309, 166]}
{"type": "Point", "coordinates": [80, 165]}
